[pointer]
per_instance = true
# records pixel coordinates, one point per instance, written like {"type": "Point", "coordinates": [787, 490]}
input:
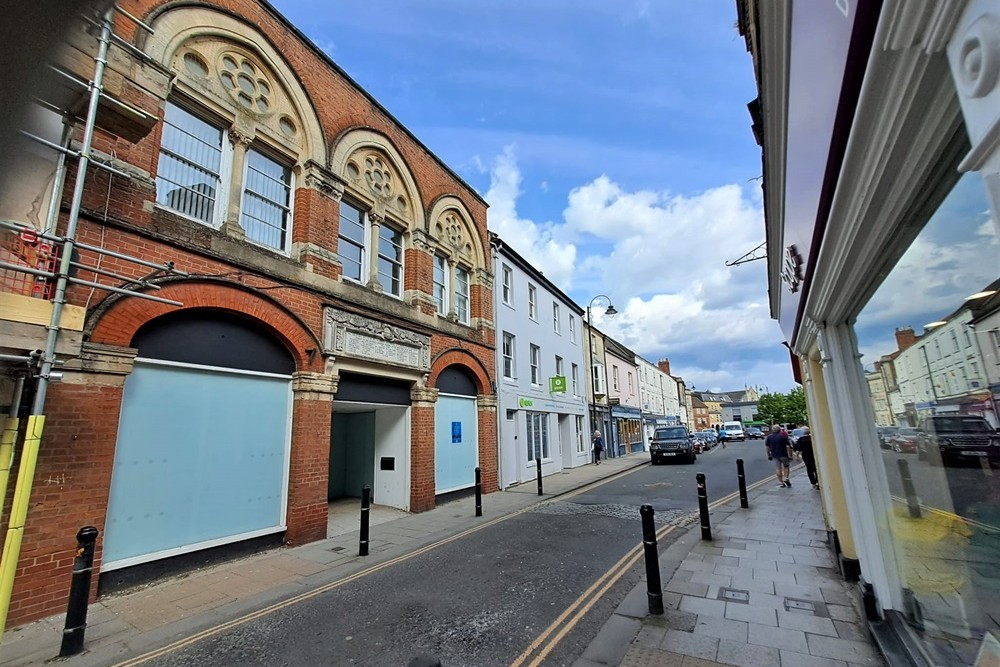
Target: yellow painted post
{"type": "Point", "coordinates": [18, 513]}
{"type": "Point", "coordinates": [7, 440]}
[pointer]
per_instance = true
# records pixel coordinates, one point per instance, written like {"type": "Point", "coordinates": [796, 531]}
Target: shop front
{"type": "Point", "coordinates": [879, 127]}
{"type": "Point", "coordinates": [627, 426]}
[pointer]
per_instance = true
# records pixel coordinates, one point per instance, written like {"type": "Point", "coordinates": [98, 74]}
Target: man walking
{"type": "Point", "coordinates": [778, 446]}
{"type": "Point", "coordinates": [804, 445]}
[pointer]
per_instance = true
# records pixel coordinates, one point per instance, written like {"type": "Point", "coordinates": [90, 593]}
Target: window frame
{"type": "Point", "coordinates": [575, 371]}
{"type": "Point", "coordinates": [371, 245]}
{"type": "Point", "coordinates": [463, 297]}
{"type": "Point", "coordinates": [442, 303]}
{"type": "Point", "coordinates": [510, 359]}
{"type": "Point", "coordinates": [572, 329]}
{"type": "Point", "coordinates": [615, 380]}
{"type": "Point", "coordinates": [224, 176]}
{"type": "Point", "coordinates": [535, 363]}
{"type": "Point", "coordinates": [537, 428]}
{"type": "Point", "coordinates": [556, 322]}
{"type": "Point", "coordinates": [286, 231]}
{"type": "Point", "coordinates": [507, 285]}
{"type": "Point", "coordinates": [532, 302]}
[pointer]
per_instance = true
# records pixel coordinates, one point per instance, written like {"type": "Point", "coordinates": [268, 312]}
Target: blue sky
{"type": "Point", "coordinates": [612, 142]}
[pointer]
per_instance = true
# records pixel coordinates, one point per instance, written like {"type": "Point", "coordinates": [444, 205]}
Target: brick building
{"type": "Point", "coordinates": [337, 319]}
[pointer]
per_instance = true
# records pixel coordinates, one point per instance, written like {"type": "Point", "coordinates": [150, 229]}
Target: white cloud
{"type": "Point", "coordinates": [535, 242]}
{"type": "Point", "coordinates": [661, 258]}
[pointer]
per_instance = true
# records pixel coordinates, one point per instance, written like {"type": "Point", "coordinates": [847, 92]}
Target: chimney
{"type": "Point", "coordinates": [905, 337]}
{"type": "Point", "coordinates": [664, 365]}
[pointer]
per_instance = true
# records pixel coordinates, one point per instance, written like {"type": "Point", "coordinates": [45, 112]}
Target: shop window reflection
{"type": "Point", "coordinates": [929, 342]}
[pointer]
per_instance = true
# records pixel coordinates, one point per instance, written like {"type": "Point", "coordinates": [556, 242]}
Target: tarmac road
{"type": "Point", "coordinates": [482, 599]}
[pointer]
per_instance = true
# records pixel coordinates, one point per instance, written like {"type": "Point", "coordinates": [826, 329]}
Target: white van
{"type": "Point", "coordinates": [734, 431]}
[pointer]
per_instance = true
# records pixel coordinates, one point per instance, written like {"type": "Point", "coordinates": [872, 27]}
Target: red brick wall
{"type": "Point", "coordinates": [488, 464]}
{"type": "Point", "coordinates": [421, 458]}
{"type": "Point", "coordinates": [70, 491]}
{"type": "Point", "coordinates": [309, 470]}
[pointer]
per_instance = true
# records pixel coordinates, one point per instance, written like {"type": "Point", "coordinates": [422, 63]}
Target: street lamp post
{"type": "Point", "coordinates": [610, 311]}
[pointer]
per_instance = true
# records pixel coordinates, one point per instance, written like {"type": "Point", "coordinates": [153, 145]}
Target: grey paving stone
{"type": "Point", "coordinates": [713, 626]}
{"type": "Point", "coordinates": [843, 613]}
{"type": "Point", "coordinates": [795, 659]}
{"type": "Point", "coordinates": [753, 614]}
{"type": "Point", "coordinates": [796, 591]}
{"type": "Point", "coordinates": [773, 576]}
{"type": "Point", "coordinates": [698, 646]}
{"type": "Point", "coordinates": [650, 636]}
{"type": "Point", "coordinates": [794, 620]}
{"type": "Point", "coordinates": [746, 583]}
{"type": "Point", "coordinates": [840, 649]}
{"type": "Point", "coordinates": [710, 579]}
{"type": "Point", "coordinates": [702, 606]}
{"type": "Point", "coordinates": [853, 631]}
{"type": "Point", "coordinates": [746, 655]}
{"type": "Point", "coordinates": [679, 620]}
{"type": "Point", "coordinates": [794, 640]}
{"type": "Point", "coordinates": [686, 588]}
{"type": "Point", "coordinates": [835, 596]}
{"type": "Point", "coordinates": [762, 565]}
{"type": "Point", "coordinates": [612, 641]}
{"type": "Point", "coordinates": [767, 601]}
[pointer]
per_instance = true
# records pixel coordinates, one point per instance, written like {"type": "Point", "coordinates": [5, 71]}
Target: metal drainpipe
{"type": "Point", "coordinates": [36, 420]}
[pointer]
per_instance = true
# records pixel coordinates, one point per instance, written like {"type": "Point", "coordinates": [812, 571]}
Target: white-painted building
{"type": "Point", "coordinates": [541, 372]}
{"type": "Point", "coordinates": [658, 397]}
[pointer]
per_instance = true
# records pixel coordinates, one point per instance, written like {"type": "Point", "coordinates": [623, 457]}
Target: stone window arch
{"type": "Point", "coordinates": [237, 128]}
{"type": "Point", "coordinates": [459, 259]}
{"type": "Point", "coordinates": [379, 210]}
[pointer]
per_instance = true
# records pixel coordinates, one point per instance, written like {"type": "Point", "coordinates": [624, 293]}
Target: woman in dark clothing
{"type": "Point", "coordinates": [804, 445]}
{"type": "Point", "coordinates": [598, 447]}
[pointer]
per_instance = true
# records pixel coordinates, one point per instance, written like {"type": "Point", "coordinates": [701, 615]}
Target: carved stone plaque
{"type": "Point", "coordinates": [349, 335]}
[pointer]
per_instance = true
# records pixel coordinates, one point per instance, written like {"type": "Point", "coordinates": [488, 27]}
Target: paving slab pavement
{"type": "Point", "coordinates": [765, 591]}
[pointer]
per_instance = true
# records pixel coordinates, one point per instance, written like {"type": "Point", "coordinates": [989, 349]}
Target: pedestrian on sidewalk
{"type": "Point", "coordinates": [598, 447]}
{"type": "Point", "coordinates": [804, 445]}
{"type": "Point", "coordinates": [778, 448]}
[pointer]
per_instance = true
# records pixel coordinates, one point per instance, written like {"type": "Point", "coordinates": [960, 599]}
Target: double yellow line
{"type": "Point", "coordinates": [608, 579]}
{"type": "Point", "coordinates": [571, 617]}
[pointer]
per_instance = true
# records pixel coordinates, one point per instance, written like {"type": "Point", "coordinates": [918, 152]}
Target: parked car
{"type": "Point", "coordinates": [795, 434]}
{"type": "Point", "coordinates": [885, 434]}
{"type": "Point", "coordinates": [904, 440]}
{"type": "Point", "coordinates": [952, 439]}
{"type": "Point", "coordinates": [672, 443]}
{"type": "Point", "coordinates": [754, 433]}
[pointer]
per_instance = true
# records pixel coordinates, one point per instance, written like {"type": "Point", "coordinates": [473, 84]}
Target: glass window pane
{"type": "Point", "coordinates": [187, 177]}
{"type": "Point", "coordinates": [936, 417]}
{"type": "Point", "coordinates": [264, 214]}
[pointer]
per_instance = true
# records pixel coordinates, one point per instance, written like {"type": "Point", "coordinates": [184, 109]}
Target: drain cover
{"type": "Point", "coordinates": [734, 595]}
{"type": "Point", "coordinates": [337, 549]}
{"type": "Point", "coordinates": [791, 604]}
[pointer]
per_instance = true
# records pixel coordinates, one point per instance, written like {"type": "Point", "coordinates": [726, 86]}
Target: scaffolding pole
{"type": "Point", "coordinates": [36, 418]}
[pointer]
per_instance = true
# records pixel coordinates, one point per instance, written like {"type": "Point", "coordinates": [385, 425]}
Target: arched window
{"type": "Point", "coordinates": [236, 127]}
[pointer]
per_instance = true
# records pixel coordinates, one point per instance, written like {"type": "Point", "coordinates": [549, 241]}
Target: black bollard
{"type": "Point", "coordinates": [654, 592]}
{"type": "Point", "coordinates": [79, 593]}
{"type": "Point", "coordinates": [538, 467]}
{"type": "Point", "coordinates": [744, 501]}
{"type": "Point", "coordinates": [366, 494]}
{"type": "Point", "coordinates": [912, 502]}
{"type": "Point", "coordinates": [479, 492]}
{"type": "Point", "coordinates": [706, 525]}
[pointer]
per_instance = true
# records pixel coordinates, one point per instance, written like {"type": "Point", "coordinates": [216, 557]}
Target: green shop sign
{"type": "Point", "coordinates": [557, 384]}
{"type": "Point", "coordinates": [523, 402]}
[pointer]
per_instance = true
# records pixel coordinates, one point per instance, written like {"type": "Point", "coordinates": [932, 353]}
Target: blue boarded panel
{"type": "Point", "coordinates": [456, 443]}
{"type": "Point", "coordinates": [201, 457]}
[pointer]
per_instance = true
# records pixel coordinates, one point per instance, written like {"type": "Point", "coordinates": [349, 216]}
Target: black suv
{"type": "Point", "coordinates": [951, 439]}
{"type": "Point", "coordinates": [672, 443]}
